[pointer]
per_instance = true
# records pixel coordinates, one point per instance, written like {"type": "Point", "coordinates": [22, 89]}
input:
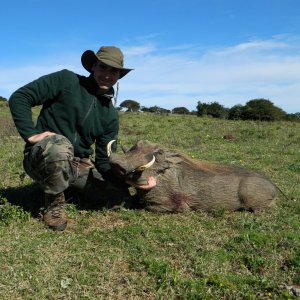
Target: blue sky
{"type": "Point", "coordinates": [183, 52]}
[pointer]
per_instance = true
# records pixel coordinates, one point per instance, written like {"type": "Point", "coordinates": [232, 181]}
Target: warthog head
{"type": "Point", "coordinates": [135, 165]}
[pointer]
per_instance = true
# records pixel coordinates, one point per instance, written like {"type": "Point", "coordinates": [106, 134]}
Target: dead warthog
{"type": "Point", "coordinates": [185, 184]}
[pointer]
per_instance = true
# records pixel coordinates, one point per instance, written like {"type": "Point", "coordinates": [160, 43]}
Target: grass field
{"type": "Point", "coordinates": [134, 254]}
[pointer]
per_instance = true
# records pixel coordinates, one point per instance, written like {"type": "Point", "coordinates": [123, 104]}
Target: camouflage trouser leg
{"type": "Point", "coordinates": [49, 162]}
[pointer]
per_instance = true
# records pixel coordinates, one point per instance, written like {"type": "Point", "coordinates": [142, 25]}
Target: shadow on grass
{"type": "Point", "coordinates": [31, 198]}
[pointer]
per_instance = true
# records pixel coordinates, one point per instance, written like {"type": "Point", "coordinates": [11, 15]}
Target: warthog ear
{"type": "Point", "coordinates": [174, 160]}
{"type": "Point", "coordinates": [173, 157]}
{"type": "Point", "coordinates": [165, 159]}
{"type": "Point", "coordinates": [124, 149]}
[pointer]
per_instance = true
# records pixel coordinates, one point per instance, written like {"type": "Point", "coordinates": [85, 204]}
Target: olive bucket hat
{"type": "Point", "coordinates": [109, 55]}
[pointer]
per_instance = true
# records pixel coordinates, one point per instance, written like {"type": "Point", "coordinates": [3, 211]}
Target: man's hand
{"type": "Point", "coordinates": [38, 137]}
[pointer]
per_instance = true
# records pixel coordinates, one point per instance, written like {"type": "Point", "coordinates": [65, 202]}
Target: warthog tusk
{"type": "Point", "coordinates": [108, 148]}
{"type": "Point", "coordinates": [146, 166]}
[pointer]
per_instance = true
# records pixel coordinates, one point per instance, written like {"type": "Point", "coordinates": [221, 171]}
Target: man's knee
{"type": "Point", "coordinates": [48, 162]}
{"type": "Point", "coordinates": [57, 148]}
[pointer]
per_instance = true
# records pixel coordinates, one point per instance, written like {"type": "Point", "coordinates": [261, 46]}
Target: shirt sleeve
{"type": "Point", "coordinates": [34, 93]}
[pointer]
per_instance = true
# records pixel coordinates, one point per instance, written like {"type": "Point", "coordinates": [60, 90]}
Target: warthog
{"type": "Point", "coordinates": [185, 184]}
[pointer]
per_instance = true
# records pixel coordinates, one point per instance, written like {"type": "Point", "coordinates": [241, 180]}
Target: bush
{"type": "Point", "coordinates": [180, 110]}
{"type": "Point", "coordinates": [12, 213]}
{"type": "Point", "coordinates": [155, 109]}
{"type": "Point", "coordinates": [263, 110]}
{"type": "Point", "coordinates": [213, 109]}
{"type": "Point", "coordinates": [2, 99]}
{"type": "Point", "coordinates": [293, 117]}
{"type": "Point", "coordinates": [235, 112]}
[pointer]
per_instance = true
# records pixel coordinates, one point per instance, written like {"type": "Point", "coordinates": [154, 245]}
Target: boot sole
{"type": "Point", "coordinates": [61, 227]}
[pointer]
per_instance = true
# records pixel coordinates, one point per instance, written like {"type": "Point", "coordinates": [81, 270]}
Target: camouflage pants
{"type": "Point", "coordinates": [52, 164]}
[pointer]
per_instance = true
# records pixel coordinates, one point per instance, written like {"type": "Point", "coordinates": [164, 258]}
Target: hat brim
{"type": "Point", "coordinates": [89, 58]}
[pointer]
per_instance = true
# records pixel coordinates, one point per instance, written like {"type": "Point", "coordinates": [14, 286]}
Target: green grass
{"type": "Point", "coordinates": [129, 254]}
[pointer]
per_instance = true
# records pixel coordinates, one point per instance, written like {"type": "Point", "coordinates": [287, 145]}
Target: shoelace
{"type": "Point", "coordinates": [57, 210]}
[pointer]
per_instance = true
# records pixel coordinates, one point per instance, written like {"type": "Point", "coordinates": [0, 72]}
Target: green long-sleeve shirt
{"type": "Point", "coordinates": [70, 108]}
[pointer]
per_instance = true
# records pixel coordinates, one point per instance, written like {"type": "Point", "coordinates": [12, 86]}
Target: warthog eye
{"type": "Point", "coordinates": [133, 172]}
{"type": "Point", "coordinates": [134, 175]}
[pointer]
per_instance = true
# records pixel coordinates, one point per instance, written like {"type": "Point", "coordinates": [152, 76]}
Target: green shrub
{"type": "Point", "coordinates": [263, 110]}
{"type": "Point", "coordinates": [12, 213]}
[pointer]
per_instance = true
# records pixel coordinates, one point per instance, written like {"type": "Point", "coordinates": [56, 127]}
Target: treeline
{"type": "Point", "coordinates": [256, 109]}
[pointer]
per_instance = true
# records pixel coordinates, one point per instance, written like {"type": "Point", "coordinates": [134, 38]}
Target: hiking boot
{"type": "Point", "coordinates": [54, 213]}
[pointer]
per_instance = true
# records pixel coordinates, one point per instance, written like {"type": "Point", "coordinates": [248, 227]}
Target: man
{"type": "Point", "coordinates": [77, 112]}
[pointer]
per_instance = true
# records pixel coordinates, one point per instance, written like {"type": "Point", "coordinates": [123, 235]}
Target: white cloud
{"type": "Point", "coordinates": [183, 75]}
{"type": "Point", "coordinates": [262, 69]}
{"type": "Point", "coordinates": [138, 50]}
{"type": "Point", "coordinates": [252, 46]}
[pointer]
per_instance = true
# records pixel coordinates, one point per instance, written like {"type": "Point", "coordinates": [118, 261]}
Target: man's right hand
{"type": "Point", "coordinates": [38, 137]}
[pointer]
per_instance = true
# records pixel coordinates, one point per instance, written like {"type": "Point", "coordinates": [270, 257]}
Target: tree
{"type": "Point", "coordinates": [263, 110]}
{"type": "Point", "coordinates": [131, 105]}
{"type": "Point", "coordinates": [213, 109]}
{"type": "Point", "coordinates": [235, 112]}
{"type": "Point", "coordinates": [144, 109]}
{"type": "Point", "coordinates": [180, 110]}
{"type": "Point", "coordinates": [293, 117]}
{"type": "Point", "coordinates": [157, 109]}
{"type": "Point", "coordinates": [3, 102]}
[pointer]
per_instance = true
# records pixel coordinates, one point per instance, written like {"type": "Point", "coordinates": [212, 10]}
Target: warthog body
{"type": "Point", "coordinates": [185, 184]}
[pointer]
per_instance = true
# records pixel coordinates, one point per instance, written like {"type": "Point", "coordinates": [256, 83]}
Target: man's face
{"type": "Point", "coordinates": [105, 75]}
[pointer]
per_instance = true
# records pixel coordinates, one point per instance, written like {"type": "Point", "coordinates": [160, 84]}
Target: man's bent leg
{"type": "Point", "coordinates": [49, 163]}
